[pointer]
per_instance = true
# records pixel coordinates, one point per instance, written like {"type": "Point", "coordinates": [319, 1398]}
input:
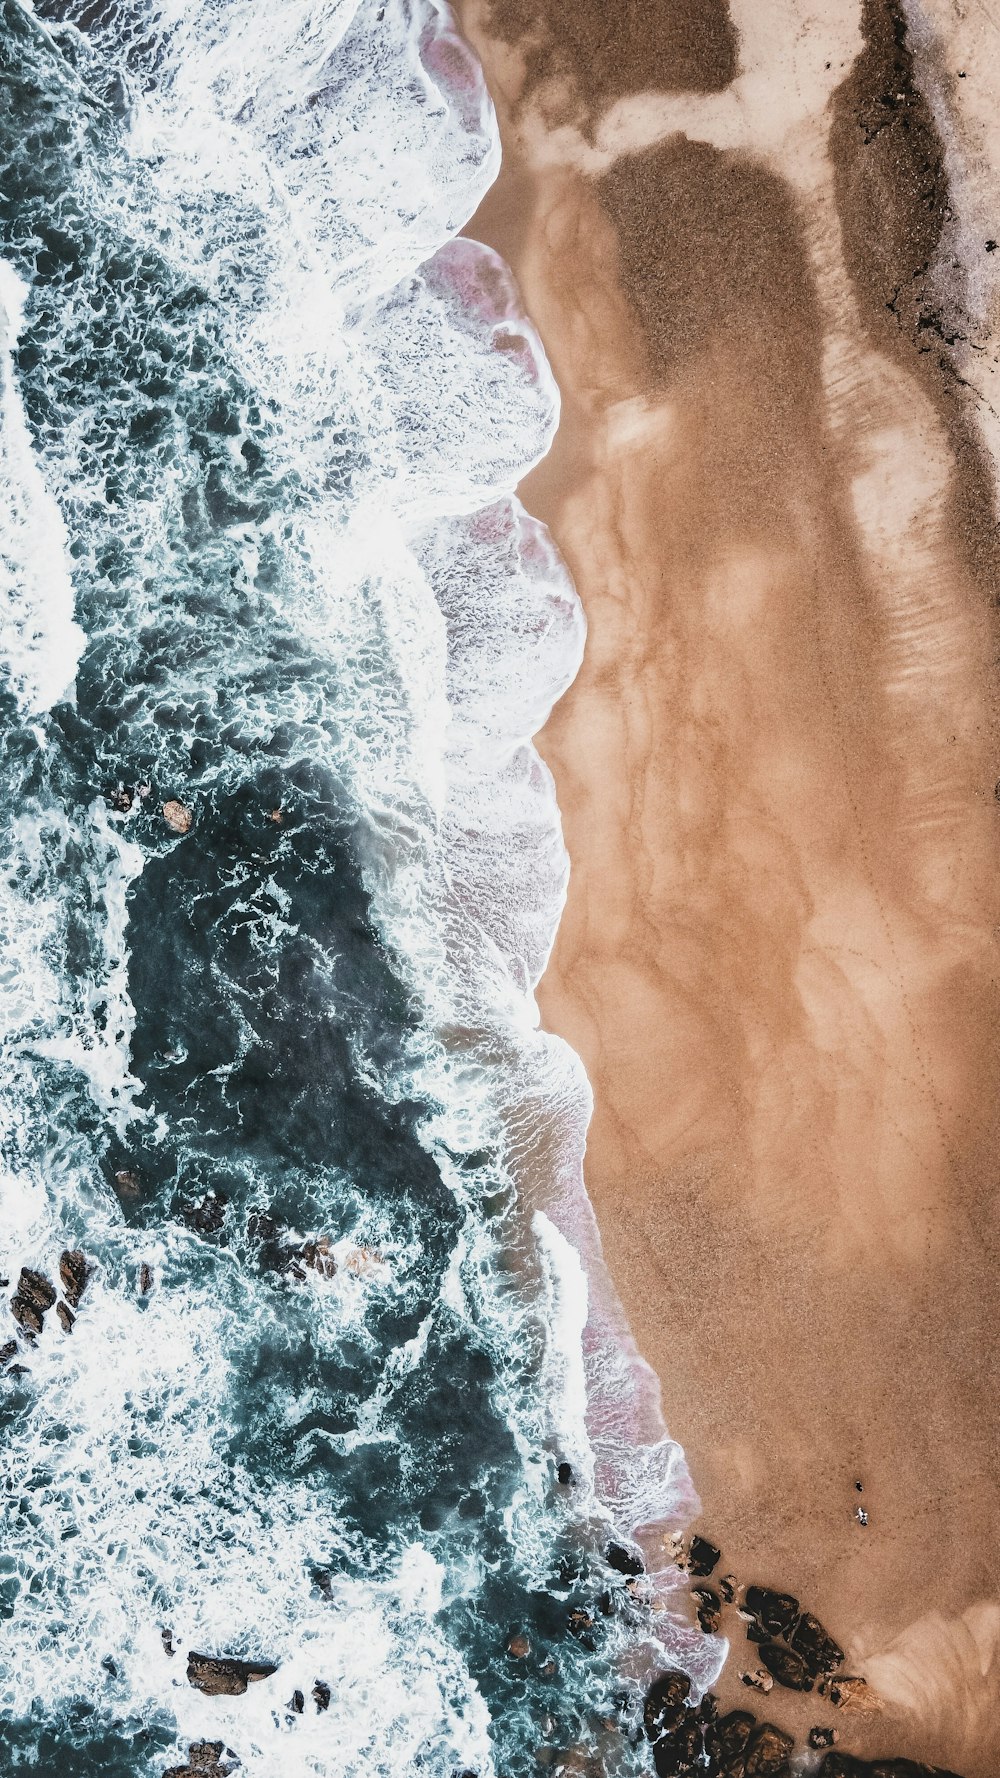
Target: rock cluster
{"type": "Point", "coordinates": [795, 1651]}
{"type": "Point", "coordinates": [36, 1295]}
{"type": "Point", "coordinates": [224, 1675]}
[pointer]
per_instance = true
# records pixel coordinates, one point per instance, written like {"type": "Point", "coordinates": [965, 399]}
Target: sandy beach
{"type": "Point", "coordinates": [758, 244]}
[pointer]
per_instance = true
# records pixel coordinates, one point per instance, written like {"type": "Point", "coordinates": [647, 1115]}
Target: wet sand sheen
{"type": "Point", "coordinates": [778, 959]}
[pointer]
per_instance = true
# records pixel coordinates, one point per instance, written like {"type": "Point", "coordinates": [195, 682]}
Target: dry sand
{"type": "Point", "coordinates": [754, 243]}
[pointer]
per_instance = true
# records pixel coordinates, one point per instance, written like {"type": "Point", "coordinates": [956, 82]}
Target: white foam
{"type": "Point", "coordinates": [40, 644]}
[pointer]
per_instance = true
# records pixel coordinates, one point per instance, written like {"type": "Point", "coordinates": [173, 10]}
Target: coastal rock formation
{"type": "Point", "coordinates": [73, 1273]}
{"type": "Point", "coordinates": [225, 1675]}
{"type": "Point", "coordinates": [768, 1752]}
{"type": "Point", "coordinates": [788, 1669]}
{"type": "Point", "coordinates": [777, 1612]}
{"type": "Point", "coordinates": [844, 1765]}
{"type": "Point", "coordinates": [702, 1557]}
{"type": "Point", "coordinates": [206, 1759]}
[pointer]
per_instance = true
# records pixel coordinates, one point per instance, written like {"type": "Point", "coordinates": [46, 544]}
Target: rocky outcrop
{"type": "Point", "coordinates": [777, 1612]}
{"type": "Point", "coordinates": [702, 1557]}
{"type": "Point", "coordinates": [224, 1675]}
{"type": "Point", "coordinates": [73, 1274]}
{"type": "Point", "coordinates": [788, 1668]}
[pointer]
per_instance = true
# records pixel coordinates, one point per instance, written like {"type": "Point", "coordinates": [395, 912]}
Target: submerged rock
{"type": "Point", "coordinates": [66, 1317]}
{"type": "Point", "coordinates": [145, 1279]}
{"type": "Point", "coordinates": [206, 1759]}
{"type": "Point", "coordinates": [702, 1556]}
{"type": "Point", "coordinates": [208, 1216]}
{"type": "Point", "coordinates": [624, 1560]}
{"type": "Point", "coordinates": [778, 1612]}
{"type": "Point", "coordinates": [565, 1475]}
{"type": "Point", "coordinates": [127, 1184]}
{"type": "Point", "coordinates": [224, 1675]}
{"type": "Point", "coordinates": [177, 816]}
{"type": "Point", "coordinates": [73, 1274]}
{"type": "Point", "coordinates": [788, 1668]}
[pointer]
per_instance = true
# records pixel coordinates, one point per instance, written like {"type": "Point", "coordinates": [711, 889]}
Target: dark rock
{"type": "Point", "coordinates": [726, 1741]}
{"type": "Point", "coordinates": [702, 1556]}
{"type": "Point", "coordinates": [66, 1317]}
{"type": "Point", "coordinates": [768, 1753]}
{"type": "Point", "coordinates": [25, 1314]}
{"type": "Point", "coordinates": [728, 1588]}
{"type": "Point", "coordinates": [788, 1669]}
{"type": "Point", "coordinates": [776, 1611]}
{"type": "Point", "coordinates": [815, 1645]}
{"type": "Point", "coordinates": [664, 1702]}
{"type": "Point", "coordinates": [709, 1707]}
{"type": "Point", "coordinates": [145, 1279]}
{"type": "Point", "coordinates": [167, 1639]}
{"type": "Point", "coordinates": [36, 1290]}
{"type": "Point", "coordinates": [127, 1183]}
{"type": "Point", "coordinates": [8, 1350]}
{"type": "Point", "coordinates": [298, 1702]}
{"type": "Point", "coordinates": [206, 1754]}
{"type": "Point", "coordinates": [119, 799]}
{"type": "Point", "coordinates": [565, 1475]}
{"type": "Point", "coordinates": [208, 1216]}
{"type": "Point", "coordinates": [709, 1609]}
{"type": "Point", "coordinates": [679, 1751]}
{"type": "Point", "coordinates": [756, 1632]}
{"type": "Point", "coordinates": [820, 1737]}
{"type": "Point", "coordinates": [624, 1561]}
{"type": "Point", "coordinates": [223, 1675]}
{"type": "Point", "coordinates": [321, 1693]}
{"type": "Point", "coordinates": [73, 1273]}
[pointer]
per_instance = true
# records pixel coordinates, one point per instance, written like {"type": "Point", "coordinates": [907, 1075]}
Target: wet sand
{"type": "Point", "coordinates": [754, 243]}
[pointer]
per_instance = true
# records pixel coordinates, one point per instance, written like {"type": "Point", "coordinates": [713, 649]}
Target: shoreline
{"type": "Point", "coordinates": [775, 517]}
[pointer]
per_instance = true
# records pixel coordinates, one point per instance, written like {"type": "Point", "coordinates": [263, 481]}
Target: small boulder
{"type": "Point", "coordinates": [66, 1317]}
{"type": "Point", "coordinates": [8, 1350]}
{"type": "Point", "coordinates": [73, 1274]}
{"type": "Point", "coordinates": [788, 1669]}
{"type": "Point", "coordinates": [816, 1645]}
{"type": "Point", "coordinates": [298, 1702]}
{"type": "Point", "coordinates": [702, 1557]}
{"type": "Point", "coordinates": [519, 1647]}
{"type": "Point", "coordinates": [120, 799]}
{"type": "Point", "coordinates": [624, 1560]}
{"type": "Point", "coordinates": [565, 1475]}
{"type": "Point", "coordinates": [145, 1279]}
{"type": "Point", "coordinates": [768, 1752]}
{"type": "Point", "coordinates": [759, 1680]}
{"type": "Point", "coordinates": [208, 1216]}
{"type": "Point", "coordinates": [822, 1737]}
{"type": "Point", "coordinates": [224, 1675]}
{"type": "Point", "coordinates": [321, 1694]}
{"type": "Point", "coordinates": [177, 816]}
{"type": "Point", "coordinates": [728, 1588]}
{"type": "Point", "coordinates": [777, 1612]}
{"type": "Point", "coordinates": [709, 1609]}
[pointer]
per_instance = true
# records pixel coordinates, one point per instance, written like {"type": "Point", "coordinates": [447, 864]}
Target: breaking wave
{"type": "Point", "coordinates": [345, 1392]}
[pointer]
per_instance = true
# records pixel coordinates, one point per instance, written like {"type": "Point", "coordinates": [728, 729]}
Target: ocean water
{"type": "Point", "coordinates": [279, 1077]}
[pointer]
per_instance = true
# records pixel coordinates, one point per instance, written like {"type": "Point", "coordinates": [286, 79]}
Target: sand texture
{"type": "Point", "coordinates": [755, 243]}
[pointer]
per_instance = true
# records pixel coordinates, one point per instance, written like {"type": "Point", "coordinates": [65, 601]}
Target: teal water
{"type": "Point", "coordinates": [262, 420]}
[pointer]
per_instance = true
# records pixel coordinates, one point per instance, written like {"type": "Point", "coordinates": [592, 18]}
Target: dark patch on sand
{"type": "Point", "coordinates": [893, 200]}
{"type": "Point", "coordinates": [714, 263]}
{"type": "Point", "coordinates": [636, 46]}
